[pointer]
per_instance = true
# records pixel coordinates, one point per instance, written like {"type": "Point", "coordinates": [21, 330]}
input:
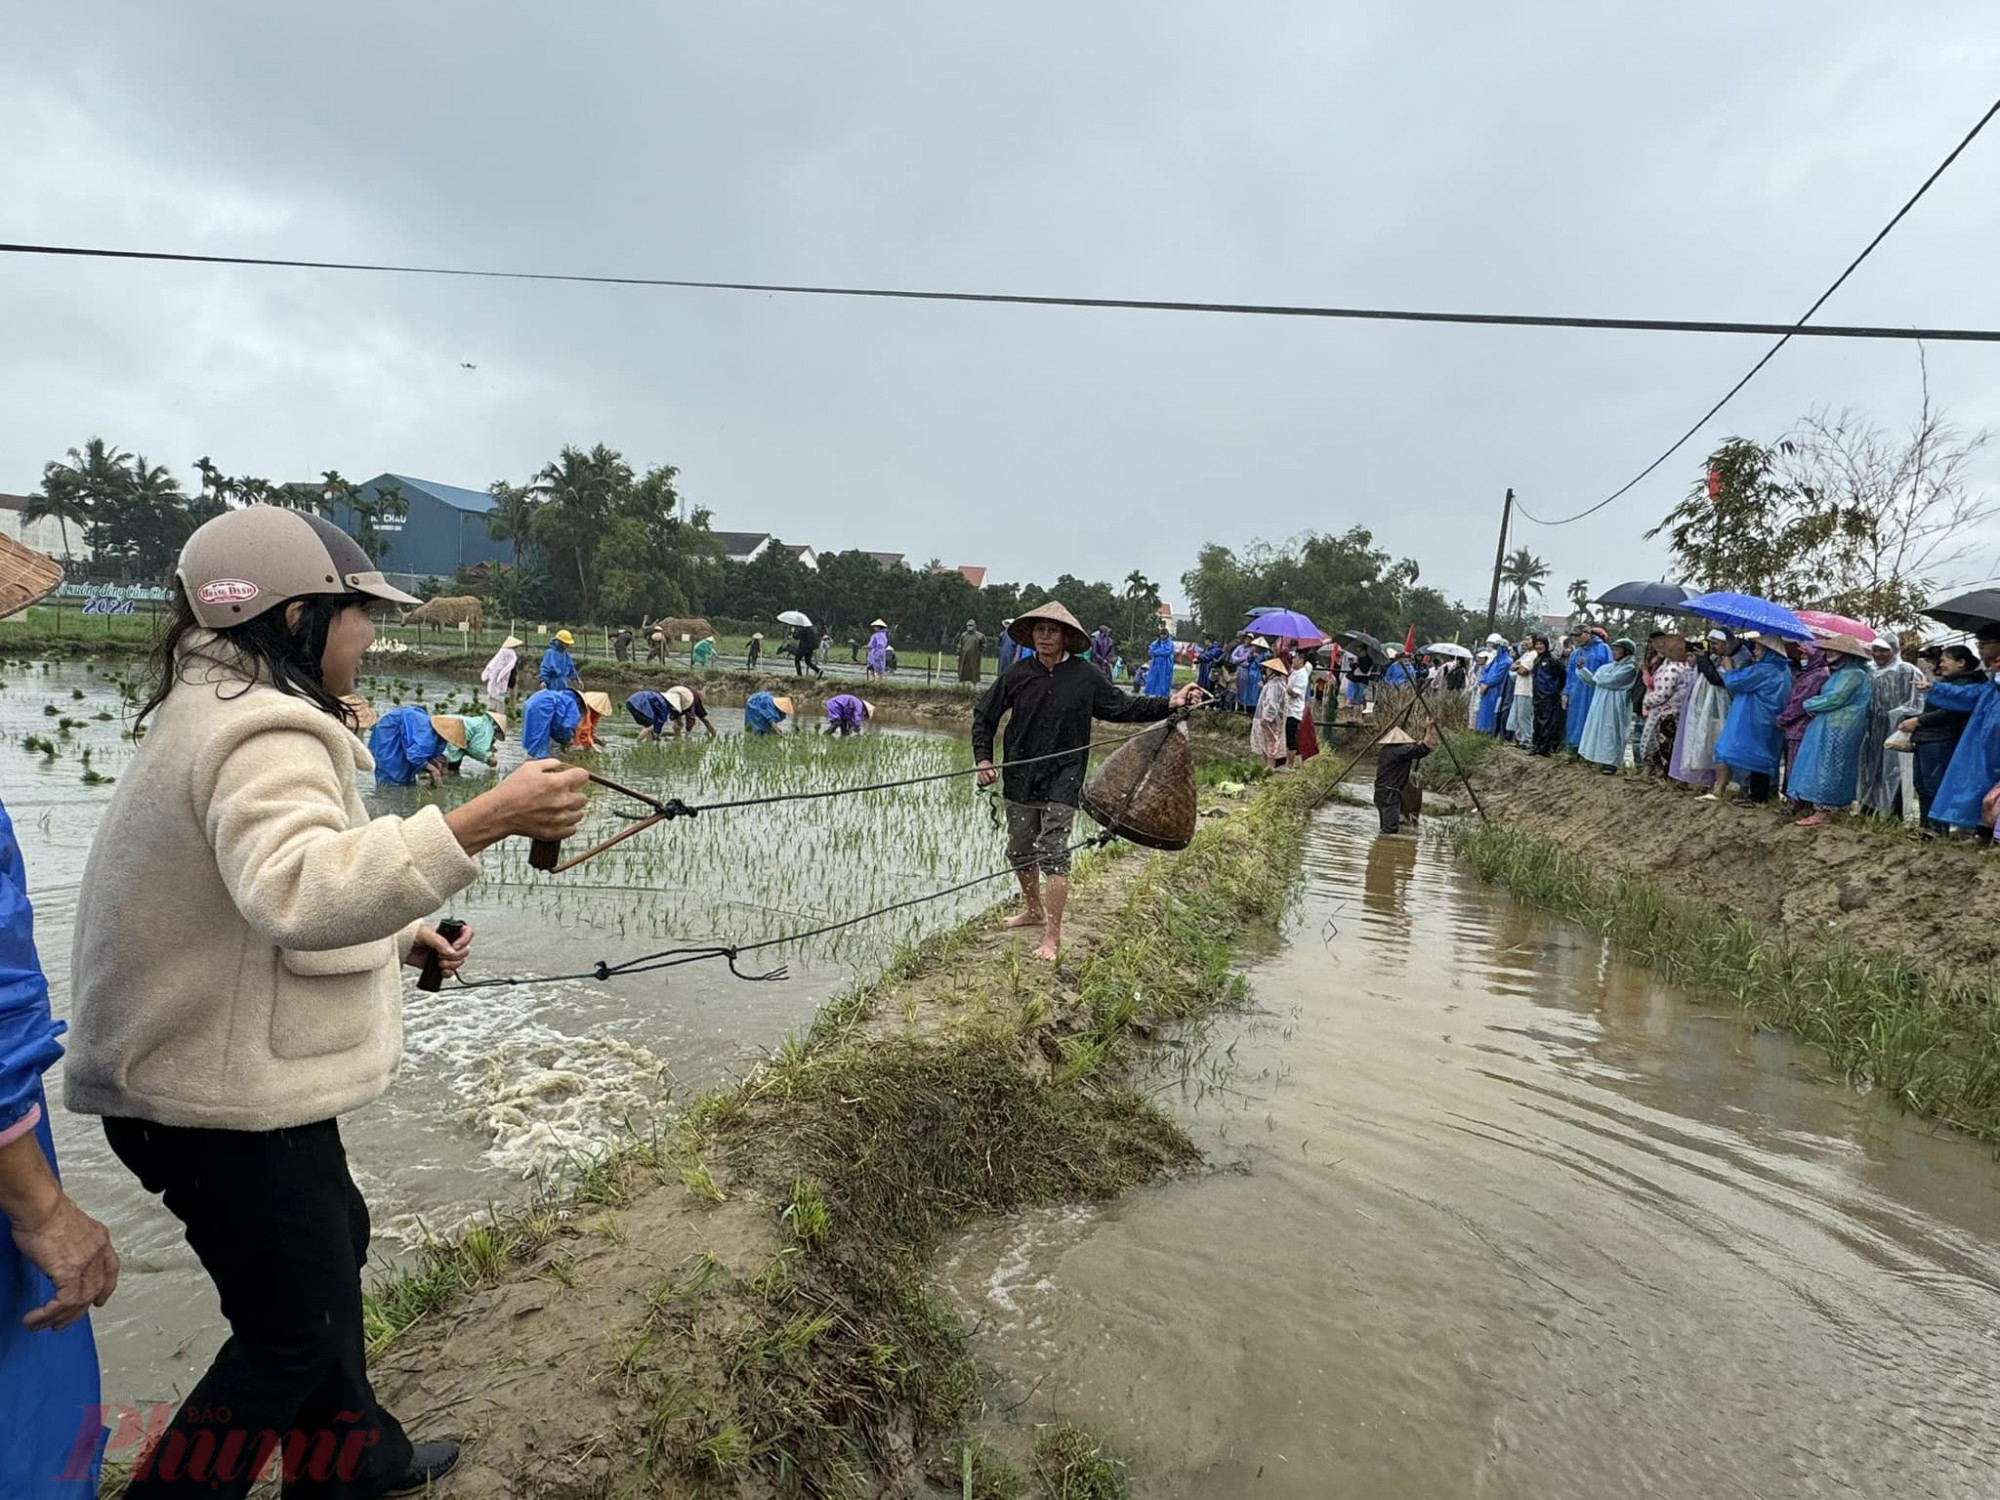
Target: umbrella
{"type": "Point", "coordinates": [1969, 611]}
{"type": "Point", "coordinates": [1823, 623]}
{"type": "Point", "coordinates": [1366, 642]}
{"type": "Point", "coordinates": [1641, 595]}
{"type": "Point", "coordinates": [1446, 648]}
{"type": "Point", "coordinates": [794, 617]}
{"type": "Point", "coordinates": [1262, 609]}
{"type": "Point", "coordinates": [1748, 612]}
{"type": "Point", "coordinates": [1286, 622]}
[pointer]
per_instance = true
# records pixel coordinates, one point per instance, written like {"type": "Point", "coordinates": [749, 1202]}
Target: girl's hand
{"type": "Point", "coordinates": [451, 956]}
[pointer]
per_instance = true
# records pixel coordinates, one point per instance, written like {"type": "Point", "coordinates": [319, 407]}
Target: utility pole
{"type": "Point", "coordinates": [1499, 557]}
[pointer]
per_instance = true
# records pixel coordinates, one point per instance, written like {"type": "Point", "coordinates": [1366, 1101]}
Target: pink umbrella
{"type": "Point", "coordinates": [1825, 624]}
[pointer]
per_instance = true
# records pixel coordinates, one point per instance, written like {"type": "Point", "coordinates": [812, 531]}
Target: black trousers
{"type": "Point", "coordinates": [1389, 804]}
{"type": "Point", "coordinates": [281, 1229]}
{"type": "Point", "coordinates": [1549, 723]}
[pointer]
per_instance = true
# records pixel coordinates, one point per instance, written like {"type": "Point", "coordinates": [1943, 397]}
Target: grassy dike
{"type": "Point", "coordinates": [1929, 1041]}
{"type": "Point", "coordinates": [744, 1296]}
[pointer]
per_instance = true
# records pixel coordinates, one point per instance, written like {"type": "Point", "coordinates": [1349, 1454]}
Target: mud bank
{"type": "Point", "coordinates": [1870, 883]}
{"type": "Point", "coordinates": [740, 1301]}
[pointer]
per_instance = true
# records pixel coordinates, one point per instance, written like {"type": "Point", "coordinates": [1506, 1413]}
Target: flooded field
{"type": "Point", "coordinates": [1491, 1213]}
{"type": "Point", "coordinates": [501, 1085]}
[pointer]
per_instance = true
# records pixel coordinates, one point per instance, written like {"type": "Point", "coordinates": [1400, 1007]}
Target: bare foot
{"type": "Point", "coordinates": [1024, 919]}
{"type": "Point", "coordinates": [1047, 951]}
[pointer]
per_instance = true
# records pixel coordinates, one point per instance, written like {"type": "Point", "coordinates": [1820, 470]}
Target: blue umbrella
{"type": "Point", "coordinates": [1670, 597]}
{"type": "Point", "coordinates": [1748, 612]}
{"type": "Point", "coordinates": [1286, 622]}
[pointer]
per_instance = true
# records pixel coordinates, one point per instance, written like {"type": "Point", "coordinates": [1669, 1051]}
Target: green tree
{"type": "Point", "coordinates": [512, 519]}
{"type": "Point", "coordinates": [1522, 575]}
{"type": "Point", "coordinates": [71, 491]}
{"type": "Point", "coordinates": [579, 491]}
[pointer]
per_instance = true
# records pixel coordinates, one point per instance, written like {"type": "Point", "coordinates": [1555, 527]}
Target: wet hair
{"type": "Point", "coordinates": [1961, 656]}
{"type": "Point", "coordinates": [284, 655]}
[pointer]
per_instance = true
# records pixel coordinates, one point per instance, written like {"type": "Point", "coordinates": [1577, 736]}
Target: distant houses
{"type": "Point", "coordinates": [444, 531]}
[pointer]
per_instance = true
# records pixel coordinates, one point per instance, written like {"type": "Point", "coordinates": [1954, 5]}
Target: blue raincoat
{"type": "Point", "coordinates": [1975, 764]}
{"type": "Point", "coordinates": [402, 742]}
{"type": "Point", "coordinates": [48, 1381]}
{"type": "Point", "coordinates": [1160, 670]}
{"type": "Point", "coordinates": [1204, 665]}
{"type": "Point", "coordinates": [1608, 728]}
{"type": "Point", "coordinates": [1828, 767]}
{"type": "Point", "coordinates": [1492, 682]}
{"type": "Point", "coordinates": [550, 718]}
{"type": "Point", "coordinates": [1249, 681]}
{"type": "Point", "coordinates": [1752, 740]}
{"type": "Point", "coordinates": [1592, 656]}
{"type": "Point", "coordinates": [761, 715]}
{"type": "Point", "coordinates": [650, 709]}
{"type": "Point", "coordinates": [558, 666]}
{"type": "Point", "coordinates": [1398, 675]}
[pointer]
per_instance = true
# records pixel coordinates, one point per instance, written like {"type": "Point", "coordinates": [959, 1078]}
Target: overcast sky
{"type": "Point", "coordinates": [1704, 159]}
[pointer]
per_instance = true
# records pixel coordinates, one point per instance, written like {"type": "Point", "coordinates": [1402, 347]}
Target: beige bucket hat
{"type": "Point", "coordinates": [1023, 627]}
{"type": "Point", "coordinates": [449, 728]}
{"type": "Point", "coordinates": [242, 563]}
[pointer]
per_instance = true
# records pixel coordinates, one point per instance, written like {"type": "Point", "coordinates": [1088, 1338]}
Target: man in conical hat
{"type": "Point", "coordinates": [1049, 698]}
{"type": "Point", "coordinates": [1396, 790]}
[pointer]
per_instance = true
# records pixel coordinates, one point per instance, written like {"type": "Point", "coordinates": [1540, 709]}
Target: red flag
{"type": "Point", "coordinates": [1410, 642]}
{"type": "Point", "coordinates": [1714, 482]}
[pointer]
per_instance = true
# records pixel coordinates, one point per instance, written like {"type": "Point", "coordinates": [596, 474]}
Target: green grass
{"type": "Point", "coordinates": [1072, 1463]}
{"type": "Point", "coordinates": [1930, 1043]}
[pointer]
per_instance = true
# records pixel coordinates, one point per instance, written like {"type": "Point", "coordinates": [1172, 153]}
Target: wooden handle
{"type": "Point", "coordinates": [544, 854]}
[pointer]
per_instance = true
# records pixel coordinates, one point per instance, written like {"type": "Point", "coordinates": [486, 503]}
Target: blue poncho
{"type": "Point", "coordinates": [558, 666]}
{"type": "Point", "coordinates": [402, 743]}
{"type": "Point", "coordinates": [1492, 683]}
{"type": "Point", "coordinates": [550, 718]}
{"type": "Point", "coordinates": [1975, 764]}
{"type": "Point", "coordinates": [650, 709]}
{"type": "Point", "coordinates": [761, 714]}
{"type": "Point", "coordinates": [1160, 669]}
{"type": "Point", "coordinates": [1592, 656]}
{"type": "Point", "coordinates": [1752, 740]}
{"type": "Point", "coordinates": [1829, 760]}
{"type": "Point", "coordinates": [1607, 729]}
{"type": "Point", "coordinates": [48, 1381]}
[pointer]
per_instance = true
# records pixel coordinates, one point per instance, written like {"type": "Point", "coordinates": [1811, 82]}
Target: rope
{"type": "Point", "coordinates": [1017, 299]}
{"type": "Point", "coordinates": [673, 958]}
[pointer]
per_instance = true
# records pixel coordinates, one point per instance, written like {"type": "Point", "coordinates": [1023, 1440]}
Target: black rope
{"type": "Point", "coordinates": [1789, 334]}
{"type": "Point", "coordinates": [673, 958]}
{"type": "Point", "coordinates": [1016, 299]}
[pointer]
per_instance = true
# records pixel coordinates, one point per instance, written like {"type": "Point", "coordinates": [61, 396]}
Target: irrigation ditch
{"type": "Point", "coordinates": [739, 1298]}
{"type": "Point", "coordinates": [1870, 945]}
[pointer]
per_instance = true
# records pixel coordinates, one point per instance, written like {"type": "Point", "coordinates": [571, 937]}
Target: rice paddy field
{"type": "Point", "coordinates": [507, 1087]}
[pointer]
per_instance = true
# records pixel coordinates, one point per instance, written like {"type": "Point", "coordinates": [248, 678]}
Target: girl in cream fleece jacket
{"type": "Point", "coordinates": [239, 940]}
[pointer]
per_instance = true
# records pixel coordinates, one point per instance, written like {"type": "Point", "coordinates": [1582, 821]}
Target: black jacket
{"type": "Point", "coordinates": [1051, 711]}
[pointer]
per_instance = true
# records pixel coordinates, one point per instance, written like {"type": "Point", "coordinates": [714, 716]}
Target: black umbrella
{"type": "Point", "coordinates": [1641, 595]}
{"type": "Point", "coordinates": [1366, 642]}
{"type": "Point", "coordinates": [1969, 611]}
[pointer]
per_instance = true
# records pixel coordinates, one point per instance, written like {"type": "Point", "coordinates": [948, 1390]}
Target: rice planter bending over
{"type": "Point", "coordinates": [846, 714]}
{"type": "Point", "coordinates": [764, 713]}
{"type": "Point", "coordinates": [549, 722]}
{"type": "Point", "coordinates": [1049, 699]}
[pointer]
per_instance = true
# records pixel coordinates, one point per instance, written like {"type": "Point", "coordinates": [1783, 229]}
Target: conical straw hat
{"type": "Point", "coordinates": [1144, 791]}
{"type": "Point", "coordinates": [598, 703]}
{"type": "Point", "coordinates": [449, 729]}
{"type": "Point", "coordinates": [679, 699]}
{"type": "Point", "coordinates": [784, 706]}
{"type": "Point", "coordinates": [25, 576]}
{"type": "Point", "coordinates": [1023, 628]}
{"type": "Point", "coordinates": [364, 713]}
{"type": "Point", "coordinates": [499, 720]}
{"type": "Point", "coordinates": [512, 642]}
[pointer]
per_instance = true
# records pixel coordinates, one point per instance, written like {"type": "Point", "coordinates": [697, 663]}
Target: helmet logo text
{"type": "Point", "coordinates": [227, 591]}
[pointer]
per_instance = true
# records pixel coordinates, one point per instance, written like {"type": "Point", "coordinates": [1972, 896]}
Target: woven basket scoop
{"type": "Point", "coordinates": [1144, 790]}
{"type": "Point", "coordinates": [25, 576]}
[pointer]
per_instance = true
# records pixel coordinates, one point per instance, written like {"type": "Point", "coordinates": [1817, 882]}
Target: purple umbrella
{"type": "Point", "coordinates": [1286, 622]}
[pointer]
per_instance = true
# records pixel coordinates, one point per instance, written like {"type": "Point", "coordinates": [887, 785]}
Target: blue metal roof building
{"type": "Point", "coordinates": [444, 531]}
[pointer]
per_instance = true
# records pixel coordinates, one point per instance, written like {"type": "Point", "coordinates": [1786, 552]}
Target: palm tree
{"type": "Point", "coordinates": [1523, 574]}
{"type": "Point", "coordinates": [71, 490]}
{"type": "Point", "coordinates": [512, 515]}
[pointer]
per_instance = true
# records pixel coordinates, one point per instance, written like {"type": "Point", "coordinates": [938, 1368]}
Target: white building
{"type": "Point", "coordinates": [44, 536]}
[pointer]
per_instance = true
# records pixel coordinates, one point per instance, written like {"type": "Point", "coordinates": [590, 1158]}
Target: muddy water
{"type": "Point", "coordinates": [504, 1086]}
{"type": "Point", "coordinates": [1494, 1214]}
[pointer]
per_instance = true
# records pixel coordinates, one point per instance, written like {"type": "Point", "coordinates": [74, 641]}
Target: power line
{"type": "Point", "coordinates": [1021, 299]}
{"type": "Point", "coordinates": [1796, 330]}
